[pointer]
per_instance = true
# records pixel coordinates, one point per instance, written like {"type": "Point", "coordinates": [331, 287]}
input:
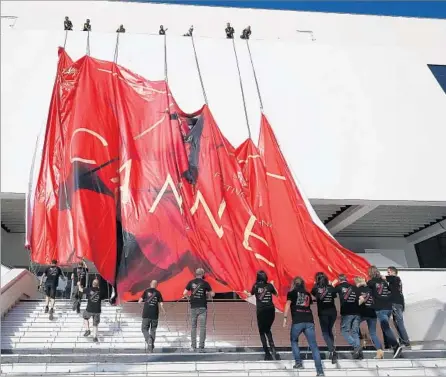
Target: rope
{"type": "Point", "coordinates": [115, 58]}
{"type": "Point", "coordinates": [88, 43]}
{"type": "Point", "coordinates": [213, 316]}
{"type": "Point", "coordinates": [199, 71]}
{"type": "Point", "coordinates": [65, 41]}
{"type": "Point", "coordinates": [241, 88]}
{"type": "Point", "coordinates": [165, 59]}
{"type": "Point", "coordinates": [255, 75]}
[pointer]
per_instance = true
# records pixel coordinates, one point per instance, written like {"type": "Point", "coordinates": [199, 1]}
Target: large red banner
{"type": "Point", "coordinates": [146, 191]}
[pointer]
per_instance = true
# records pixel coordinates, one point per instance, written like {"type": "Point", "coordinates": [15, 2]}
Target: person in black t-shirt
{"type": "Point", "coordinates": [325, 295]}
{"type": "Point", "coordinates": [79, 275]}
{"type": "Point", "coordinates": [229, 31]}
{"type": "Point", "coordinates": [396, 288]}
{"type": "Point", "coordinates": [383, 306]}
{"type": "Point", "coordinates": [299, 301]}
{"type": "Point", "coordinates": [189, 32]}
{"type": "Point", "coordinates": [93, 308]}
{"type": "Point", "coordinates": [87, 25]}
{"type": "Point", "coordinates": [199, 290]}
{"type": "Point", "coordinates": [266, 312]}
{"type": "Point", "coordinates": [67, 24]}
{"type": "Point", "coordinates": [350, 319]}
{"type": "Point", "coordinates": [367, 313]}
{"type": "Point", "coordinates": [153, 302]}
{"type": "Point", "coordinates": [52, 274]}
{"type": "Point", "coordinates": [162, 31]}
{"type": "Point", "coordinates": [246, 33]}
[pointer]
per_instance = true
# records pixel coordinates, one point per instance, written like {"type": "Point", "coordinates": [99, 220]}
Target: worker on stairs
{"type": "Point", "coordinates": [52, 274]}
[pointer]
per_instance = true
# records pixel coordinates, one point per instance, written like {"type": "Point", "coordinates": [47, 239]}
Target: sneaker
{"type": "Point", "coordinates": [268, 357]}
{"type": "Point", "coordinates": [379, 354]}
{"type": "Point", "coordinates": [95, 339]}
{"type": "Point", "coordinates": [334, 357]}
{"type": "Point", "coordinates": [298, 365]}
{"type": "Point", "coordinates": [46, 309]}
{"type": "Point", "coordinates": [87, 333]}
{"type": "Point", "coordinates": [397, 351]}
{"type": "Point", "coordinates": [356, 354]}
{"type": "Point", "coordinates": [276, 356]}
{"type": "Point", "coordinates": [192, 349]}
{"type": "Point", "coordinates": [320, 374]}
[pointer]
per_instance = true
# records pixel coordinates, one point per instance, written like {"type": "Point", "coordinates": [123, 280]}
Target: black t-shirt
{"type": "Point", "coordinates": [325, 298]}
{"type": "Point", "coordinates": [52, 275]}
{"type": "Point", "coordinates": [94, 299]}
{"type": "Point", "coordinates": [80, 274]}
{"type": "Point", "coordinates": [396, 288]}
{"type": "Point", "coordinates": [229, 32]}
{"type": "Point", "coordinates": [366, 310]}
{"type": "Point", "coordinates": [264, 295]}
{"type": "Point", "coordinates": [199, 289]}
{"type": "Point", "coordinates": [300, 306]}
{"type": "Point", "coordinates": [381, 293]}
{"type": "Point", "coordinates": [348, 298]}
{"type": "Point", "coordinates": [151, 297]}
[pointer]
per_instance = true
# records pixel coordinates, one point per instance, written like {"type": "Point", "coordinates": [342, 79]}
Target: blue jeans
{"type": "Point", "coordinates": [383, 318]}
{"type": "Point", "coordinates": [350, 330]}
{"type": "Point", "coordinates": [327, 322]}
{"type": "Point", "coordinates": [308, 329]}
{"type": "Point", "coordinates": [398, 318]}
{"type": "Point", "coordinates": [371, 324]}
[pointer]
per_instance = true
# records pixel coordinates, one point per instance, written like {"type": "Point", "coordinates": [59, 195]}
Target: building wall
{"type": "Point", "coordinates": [356, 111]}
{"type": "Point", "coordinates": [389, 246]}
{"type": "Point", "coordinates": [13, 252]}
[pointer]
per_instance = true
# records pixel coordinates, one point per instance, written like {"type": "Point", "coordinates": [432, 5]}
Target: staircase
{"type": "Point", "coordinates": [33, 345]}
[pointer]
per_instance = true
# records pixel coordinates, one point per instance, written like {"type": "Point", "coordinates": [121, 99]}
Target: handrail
{"type": "Point", "coordinates": [11, 18]}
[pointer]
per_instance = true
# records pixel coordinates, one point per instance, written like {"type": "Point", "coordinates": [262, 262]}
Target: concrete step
{"type": "Point", "coordinates": [343, 368]}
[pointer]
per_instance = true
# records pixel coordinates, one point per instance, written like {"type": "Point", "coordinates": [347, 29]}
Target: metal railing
{"type": "Point", "coordinates": [13, 20]}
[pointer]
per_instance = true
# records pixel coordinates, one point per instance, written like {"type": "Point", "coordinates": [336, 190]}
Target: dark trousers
{"type": "Point", "coordinates": [350, 330]}
{"type": "Point", "coordinates": [327, 322]}
{"type": "Point", "coordinates": [198, 314]}
{"type": "Point", "coordinates": [310, 334]}
{"type": "Point", "coordinates": [76, 298]}
{"type": "Point", "coordinates": [148, 328]}
{"type": "Point", "coordinates": [383, 318]}
{"type": "Point", "coordinates": [265, 319]}
{"type": "Point", "coordinates": [398, 319]}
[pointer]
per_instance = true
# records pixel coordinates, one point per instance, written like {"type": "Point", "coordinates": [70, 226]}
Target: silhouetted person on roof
{"type": "Point", "coordinates": [229, 31]}
{"type": "Point", "coordinates": [246, 33]}
{"type": "Point", "coordinates": [121, 29]}
{"type": "Point", "coordinates": [162, 31]}
{"type": "Point", "coordinates": [87, 25]}
{"type": "Point", "coordinates": [190, 32]}
{"type": "Point", "coordinates": [67, 24]}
